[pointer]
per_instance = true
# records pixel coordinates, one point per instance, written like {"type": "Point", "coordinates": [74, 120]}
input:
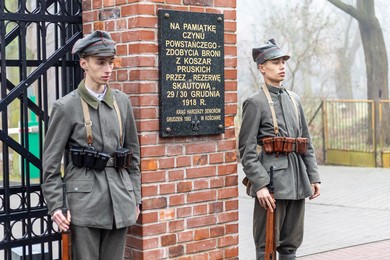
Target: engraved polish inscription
{"type": "Point", "coordinates": [191, 66]}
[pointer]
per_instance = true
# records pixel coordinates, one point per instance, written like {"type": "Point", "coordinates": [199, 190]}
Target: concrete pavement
{"type": "Point", "coordinates": [350, 220]}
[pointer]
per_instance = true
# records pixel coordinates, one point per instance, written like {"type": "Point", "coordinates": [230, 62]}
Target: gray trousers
{"type": "Point", "coordinates": [97, 244]}
{"type": "Point", "coordinates": [289, 222]}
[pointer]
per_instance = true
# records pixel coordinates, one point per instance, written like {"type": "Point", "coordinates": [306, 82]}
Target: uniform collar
{"type": "Point", "coordinates": [91, 100]}
{"type": "Point", "coordinates": [275, 90]}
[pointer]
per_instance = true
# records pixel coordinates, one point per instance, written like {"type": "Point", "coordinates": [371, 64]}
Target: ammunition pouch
{"type": "Point", "coordinates": [77, 156]}
{"type": "Point", "coordinates": [101, 160]}
{"type": "Point", "coordinates": [301, 145]}
{"type": "Point", "coordinates": [288, 145]}
{"type": "Point", "coordinates": [122, 158]}
{"type": "Point", "coordinates": [268, 144]}
{"type": "Point", "coordinates": [92, 159]}
{"type": "Point", "coordinates": [284, 145]}
{"type": "Point", "coordinates": [89, 156]}
{"type": "Point", "coordinates": [278, 144]}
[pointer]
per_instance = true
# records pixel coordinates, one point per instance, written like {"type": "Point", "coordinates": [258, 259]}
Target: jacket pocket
{"type": "Point", "coordinates": [279, 162]}
{"type": "Point", "coordinates": [77, 186]}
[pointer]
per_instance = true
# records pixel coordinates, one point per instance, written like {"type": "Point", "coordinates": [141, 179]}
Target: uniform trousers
{"type": "Point", "coordinates": [97, 244]}
{"type": "Point", "coordinates": [289, 223]}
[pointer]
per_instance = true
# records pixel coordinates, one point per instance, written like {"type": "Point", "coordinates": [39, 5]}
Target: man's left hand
{"type": "Point", "coordinates": [316, 188]}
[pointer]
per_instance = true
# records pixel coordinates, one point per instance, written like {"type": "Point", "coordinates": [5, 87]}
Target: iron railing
{"type": "Point", "coordinates": [354, 132]}
{"type": "Point", "coordinates": [36, 37]}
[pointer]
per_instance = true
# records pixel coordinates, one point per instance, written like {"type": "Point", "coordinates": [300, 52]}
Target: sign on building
{"type": "Point", "coordinates": [191, 73]}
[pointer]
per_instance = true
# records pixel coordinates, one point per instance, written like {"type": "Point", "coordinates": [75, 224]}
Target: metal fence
{"type": "Point", "coordinates": [36, 37]}
{"type": "Point", "coordinates": [349, 125]}
{"type": "Point", "coordinates": [356, 132]}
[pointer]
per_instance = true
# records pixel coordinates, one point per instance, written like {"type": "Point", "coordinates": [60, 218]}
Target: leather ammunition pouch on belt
{"type": "Point", "coordinates": [284, 145]}
{"type": "Point", "coordinates": [91, 159]}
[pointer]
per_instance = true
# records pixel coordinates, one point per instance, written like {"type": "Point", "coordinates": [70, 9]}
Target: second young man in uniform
{"type": "Point", "coordinates": [273, 118]}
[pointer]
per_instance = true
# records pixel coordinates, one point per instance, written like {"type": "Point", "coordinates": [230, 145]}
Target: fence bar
{"type": "Point", "coordinates": [34, 46]}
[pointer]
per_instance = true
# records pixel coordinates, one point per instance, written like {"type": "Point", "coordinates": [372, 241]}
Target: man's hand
{"type": "Point", "coordinates": [62, 222]}
{"type": "Point", "coordinates": [316, 188]}
{"type": "Point", "coordinates": [138, 211]}
{"type": "Point", "coordinates": [265, 199]}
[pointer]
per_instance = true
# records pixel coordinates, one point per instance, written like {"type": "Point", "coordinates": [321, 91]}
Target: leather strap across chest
{"type": "Point", "coordinates": [271, 106]}
{"type": "Point", "coordinates": [88, 121]}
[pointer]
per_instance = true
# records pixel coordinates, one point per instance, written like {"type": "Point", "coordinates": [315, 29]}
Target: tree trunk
{"type": "Point", "coordinates": [345, 60]}
{"type": "Point", "coordinates": [373, 45]}
{"type": "Point", "coordinates": [374, 52]}
{"type": "Point", "coordinates": [375, 57]}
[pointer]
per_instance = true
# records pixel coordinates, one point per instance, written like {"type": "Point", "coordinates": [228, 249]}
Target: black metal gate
{"type": "Point", "coordinates": [36, 37]}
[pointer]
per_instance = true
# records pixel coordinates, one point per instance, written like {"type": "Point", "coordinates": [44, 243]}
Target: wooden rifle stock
{"type": "Point", "coordinates": [270, 242]}
{"type": "Point", "coordinates": [66, 246]}
{"type": "Point", "coordinates": [270, 245]}
{"type": "Point", "coordinates": [66, 237]}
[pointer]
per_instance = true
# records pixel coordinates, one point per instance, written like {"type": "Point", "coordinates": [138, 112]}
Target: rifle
{"type": "Point", "coordinates": [66, 238]}
{"type": "Point", "coordinates": [270, 242]}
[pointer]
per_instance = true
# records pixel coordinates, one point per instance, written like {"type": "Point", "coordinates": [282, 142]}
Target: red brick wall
{"type": "Point", "coordinates": [189, 184]}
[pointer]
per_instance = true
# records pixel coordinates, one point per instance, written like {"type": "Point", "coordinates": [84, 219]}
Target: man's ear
{"type": "Point", "coordinates": [83, 64]}
{"type": "Point", "coordinates": [261, 68]}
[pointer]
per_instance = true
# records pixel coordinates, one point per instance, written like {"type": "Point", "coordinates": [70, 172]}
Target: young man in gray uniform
{"type": "Point", "coordinates": [273, 118]}
{"type": "Point", "coordinates": [95, 126]}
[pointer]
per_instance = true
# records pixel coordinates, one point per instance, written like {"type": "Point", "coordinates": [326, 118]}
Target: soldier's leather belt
{"type": "Point", "coordinates": [284, 145]}
{"type": "Point", "coordinates": [90, 158]}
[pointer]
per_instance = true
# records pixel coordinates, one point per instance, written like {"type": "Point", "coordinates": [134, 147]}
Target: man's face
{"type": "Point", "coordinates": [273, 71]}
{"type": "Point", "coordinates": [98, 69]}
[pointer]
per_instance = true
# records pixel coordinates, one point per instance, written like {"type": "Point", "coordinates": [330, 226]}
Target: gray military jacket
{"type": "Point", "coordinates": [95, 199]}
{"type": "Point", "coordinates": [293, 173]}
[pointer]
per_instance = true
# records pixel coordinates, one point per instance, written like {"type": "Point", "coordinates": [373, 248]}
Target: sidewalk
{"type": "Point", "coordinates": [350, 220]}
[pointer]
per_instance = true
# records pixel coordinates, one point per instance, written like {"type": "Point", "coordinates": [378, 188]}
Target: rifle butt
{"type": "Point", "coordinates": [270, 243]}
{"type": "Point", "coordinates": [66, 246]}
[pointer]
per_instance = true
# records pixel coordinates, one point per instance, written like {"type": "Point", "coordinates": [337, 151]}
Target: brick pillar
{"type": "Point", "coordinates": [189, 184]}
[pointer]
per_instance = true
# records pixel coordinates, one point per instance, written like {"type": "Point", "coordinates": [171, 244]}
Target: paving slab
{"type": "Point", "coordinates": [353, 210]}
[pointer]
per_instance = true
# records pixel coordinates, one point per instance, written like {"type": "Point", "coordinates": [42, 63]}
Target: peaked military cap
{"type": "Point", "coordinates": [98, 43]}
{"type": "Point", "coordinates": [269, 51]}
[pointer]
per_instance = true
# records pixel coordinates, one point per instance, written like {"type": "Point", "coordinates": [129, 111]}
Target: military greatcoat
{"type": "Point", "coordinates": [95, 199]}
{"type": "Point", "coordinates": [293, 173]}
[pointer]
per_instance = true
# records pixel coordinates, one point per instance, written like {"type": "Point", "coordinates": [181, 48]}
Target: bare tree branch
{"type": "Point", "coordinates": [349, 9]}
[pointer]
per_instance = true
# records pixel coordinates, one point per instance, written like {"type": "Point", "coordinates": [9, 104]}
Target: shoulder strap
{"type": "Point", "coordinates": [271, 106]}
{"type": "Point", "coordinates": [87, 121]}
{"type": "Point", "coordinates": [295, 104]}
{"type": "Point", "coordinates": [118, 114]}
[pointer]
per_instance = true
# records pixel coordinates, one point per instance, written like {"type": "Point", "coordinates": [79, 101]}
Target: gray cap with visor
{"type": "Point", "coordinates": [98, 43]}
{"type": "Point", "coordinates": [269, 51]}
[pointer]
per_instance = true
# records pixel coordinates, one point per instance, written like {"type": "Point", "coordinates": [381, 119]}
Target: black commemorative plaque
{"type": "Point", "coordinates": [191, 73]}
